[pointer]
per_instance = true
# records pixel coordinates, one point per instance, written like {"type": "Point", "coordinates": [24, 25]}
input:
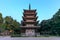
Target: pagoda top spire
{"type": "Point", "coordinates": [29, 7]}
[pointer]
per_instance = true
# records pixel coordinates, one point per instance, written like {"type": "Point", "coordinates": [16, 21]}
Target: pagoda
{"type": "Point", "coordinates": [29, 23]}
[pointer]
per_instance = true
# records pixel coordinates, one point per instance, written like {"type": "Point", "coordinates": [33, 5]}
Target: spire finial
{"type": "Point", "coordinates": [29, 6]}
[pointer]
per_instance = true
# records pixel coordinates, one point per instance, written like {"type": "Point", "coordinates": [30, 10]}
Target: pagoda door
{"type": "Point", "coordinates": [30, 32]}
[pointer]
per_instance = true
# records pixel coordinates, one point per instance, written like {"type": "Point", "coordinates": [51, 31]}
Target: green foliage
{"type": "Point", "coordinates": [8, 23]}
{"type": "Point", "coordinates": [51, 26]}
{"type": "Point", "coordinates": [1, 22]}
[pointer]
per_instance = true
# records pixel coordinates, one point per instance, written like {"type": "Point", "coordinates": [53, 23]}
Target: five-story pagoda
{"type": "Point", "coordinates": [29, 23]}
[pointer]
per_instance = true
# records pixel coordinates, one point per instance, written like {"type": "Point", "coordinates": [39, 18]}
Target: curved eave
{"type": "Point", "coordinates": [29, 18]}
{"type": "Point", "coordinates": [33, 10]}
{"type": "Point", "coordinates": [29, 21]}
{"type": "Point", "coordinates": [30, 27]}
{"type": "Point", "coordinates": [23, 23]}
{"type": "Point", "coordinates": [36, 17]}
{"type": "Point", "coordinates": [36, 22]}
{"type": "Point", "coordinates": [30, 14]}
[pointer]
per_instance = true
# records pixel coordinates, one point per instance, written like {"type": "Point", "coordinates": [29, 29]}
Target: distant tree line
{"type": "Point", "coordinates": [51, 26]}
{"type": "Point", "coordinates": [9, 24]}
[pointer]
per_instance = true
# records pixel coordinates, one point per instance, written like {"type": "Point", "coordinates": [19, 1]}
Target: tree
{"type": "Point", "coordinates": [52, 25]}
{"type": "Point", "coordinates": [1, 22]}
{"type": "Point", "coordinates": [8, 21]}
{"type": "Point", "coordinates": [1, 18]}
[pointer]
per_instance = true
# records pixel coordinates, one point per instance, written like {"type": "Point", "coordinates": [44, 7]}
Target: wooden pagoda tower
{"type": "Point", "coordinates": [29, 23]}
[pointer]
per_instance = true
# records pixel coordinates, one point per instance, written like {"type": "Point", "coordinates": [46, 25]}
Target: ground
{"type": "Point", "coordinates": [29, 38]}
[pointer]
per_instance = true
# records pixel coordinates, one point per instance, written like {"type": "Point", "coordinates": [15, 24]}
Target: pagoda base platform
{"type": "Point", "coordinates": [24, 35]}
{"type": "Point", "coordinates": [28, 27]}
{"type": "Point", "coordinates": [29, 31]}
